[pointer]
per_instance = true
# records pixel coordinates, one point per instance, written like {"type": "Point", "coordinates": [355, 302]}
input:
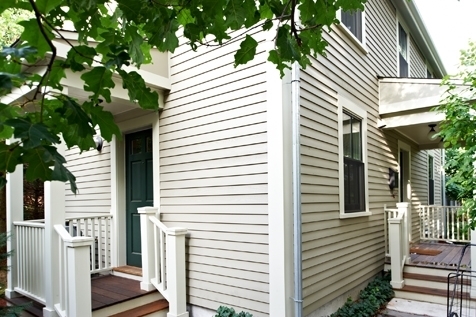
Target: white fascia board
{"type": "Point", "coordinates": [411, 119]}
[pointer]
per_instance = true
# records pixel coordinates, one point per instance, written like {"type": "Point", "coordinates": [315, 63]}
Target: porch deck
{"type": "Point", "coordinates": [439, 255]}
{"type": "Point", "coordinates": [106, 290]}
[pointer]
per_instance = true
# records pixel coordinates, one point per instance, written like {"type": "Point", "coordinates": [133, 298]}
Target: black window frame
{"type": "Point", "coordinates": [354, 22]}
{"type": "Point", "coordinates": [403, 46]}
{"type": "Point", "coordinates": [431, 180]}
{"type": "Point", "coordinates": [354, 167]}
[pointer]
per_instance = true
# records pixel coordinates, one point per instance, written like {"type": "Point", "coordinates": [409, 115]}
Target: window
{"type": "Point", "coordinates": [353, 21]}
{"type": "Point", "coordinates": [431, 181]}
{"type": "Point", "coordinates": [402, 51]}
{"type": "Point", "coordinates": [354, 174]}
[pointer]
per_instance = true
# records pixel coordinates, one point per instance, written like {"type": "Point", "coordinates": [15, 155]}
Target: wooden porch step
{"type": "Point", "coordinates": [127, 269]}
{"type": "Point", "coordinates": [30, 306]}
{"type": "Point", "coordinates": [144, 310]}
{"type": "Point", "coordinates": [432, 278]}
{"type": "Point", "coordinates": [424, 294]}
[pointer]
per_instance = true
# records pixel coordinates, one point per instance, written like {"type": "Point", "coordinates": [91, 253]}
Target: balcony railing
{"type": "Point", "coordinates": [444, 223]}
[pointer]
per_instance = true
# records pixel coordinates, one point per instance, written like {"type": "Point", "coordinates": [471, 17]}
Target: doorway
{"type": "Point", "coordinates": [139, 189]}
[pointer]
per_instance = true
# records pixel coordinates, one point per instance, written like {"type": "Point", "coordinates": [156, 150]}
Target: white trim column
{"type": "Point", "coordinates": [280, 202]}
{"type": "Point", "coordinates": [14, 189]}
{"type": "Point", "coordinates": [54, 214]}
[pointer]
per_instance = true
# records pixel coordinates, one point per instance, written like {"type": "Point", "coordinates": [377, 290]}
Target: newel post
{"type": "Point", "coordinates": [395, 233]}
{"type": "Point", "coordinates": [176, 281]}
{"type": "Point", "coordinates": [147, 246]}
{"type": "Point", "coordinates": [78, 273]}
{"type": "Point", "coordinates": [406, 236]}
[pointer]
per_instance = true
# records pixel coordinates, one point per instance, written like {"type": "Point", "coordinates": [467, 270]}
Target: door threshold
{"type": "Point", "coordinates": [128, 271]}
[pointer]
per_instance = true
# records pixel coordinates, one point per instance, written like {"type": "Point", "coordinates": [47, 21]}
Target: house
{"type": "Point", "coordinates": [222, 160]}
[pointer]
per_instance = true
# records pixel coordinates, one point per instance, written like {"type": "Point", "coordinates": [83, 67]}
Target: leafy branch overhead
{"type": "Point", "coordinates": [109, 38]}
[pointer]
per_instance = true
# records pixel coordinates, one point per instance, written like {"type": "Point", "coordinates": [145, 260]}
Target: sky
{"type": "Point", "coordinates": [451, 23]}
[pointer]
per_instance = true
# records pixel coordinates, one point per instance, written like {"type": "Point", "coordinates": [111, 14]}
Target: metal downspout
{"type": "Point", "coordinates": [295, 104]}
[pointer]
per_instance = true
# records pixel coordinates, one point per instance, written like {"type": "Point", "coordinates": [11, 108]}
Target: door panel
{"type": "Point", "coordinates": [139, 189]}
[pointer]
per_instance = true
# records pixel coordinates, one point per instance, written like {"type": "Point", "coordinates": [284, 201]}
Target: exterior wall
{"type": "Point", "coordinates": [93, 178]}
{"type": "Point", "coordinates": [417, 61]}
{"type": "Point", "coordinates": [341, 254]}
{"type": "Point", "coordinates": [213, 175]}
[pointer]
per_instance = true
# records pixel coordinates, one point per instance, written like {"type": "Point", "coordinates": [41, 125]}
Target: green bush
{"type": "Point", "coordinates": [371, 299]}
{"type": "Point", "coordinates": [224, 311]}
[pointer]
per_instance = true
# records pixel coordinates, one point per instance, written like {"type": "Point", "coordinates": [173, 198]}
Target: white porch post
{"type": "Point", "coordinates": [79, 283]}
{"type": "Point", "coordinates": [147, 246]}
{"type": "Point", "coordinates": [54, 214]}
{"type": "Point", "coordinates": [405, 208]}
{"type": "Point", "coordinates": [394, 229]}
{"type": "Point", "coordinates": [176, 282]}
{"type": "Point", "coordinates": [14, 197]}
{"type": "Point", "coordinates": [473, 260]}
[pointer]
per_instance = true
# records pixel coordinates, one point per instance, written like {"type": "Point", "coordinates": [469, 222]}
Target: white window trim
{"type": "Point", "coordinates": [407, 148]}
{"type": "Point", "coordinates": [404, 26]}
{"type": "Point", "coordinates": [362, 46]}
{"type": "Point", "coordinates": [346, 104]}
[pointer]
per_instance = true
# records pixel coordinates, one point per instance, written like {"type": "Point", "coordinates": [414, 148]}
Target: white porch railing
{"type": "Point", "coordinates": [29, 259]}
{"type": "Point", "coordinates": [29, 250]}
{"type": "Point", "coordinates": [398, 242]}
{"type": "Point", "coordinates": [163, 260]}
{"type": "Point", "coordinates": [444, 223]}
{"type": "Point", "coordinates": [74, 267]}
{"type": "Point", "coordinates": [99, 228]}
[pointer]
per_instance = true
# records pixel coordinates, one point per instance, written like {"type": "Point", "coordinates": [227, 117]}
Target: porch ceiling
{"type": "Point", "coordinates": [405, 106]}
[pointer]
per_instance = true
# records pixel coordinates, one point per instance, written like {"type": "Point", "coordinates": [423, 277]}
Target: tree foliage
{"type": "Point", "coordinates": [458, 130]}
{"type": "Point", "coordinates": [125, 32]}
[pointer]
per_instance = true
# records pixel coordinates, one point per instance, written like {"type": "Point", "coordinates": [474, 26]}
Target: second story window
{"type": "Point", "coordinates": [402, 51]}
{"type": "Point", "coordinates": [353, 21]}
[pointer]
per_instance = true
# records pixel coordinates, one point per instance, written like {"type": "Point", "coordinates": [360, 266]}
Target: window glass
{"type": "Point", "coordinates": [136, 146]}
{"type": "Point", "coordinates": [403, 51]}
{"type": "Point", "coordinates": [353, 21]}
{"type": "Point", "coordinates": [354, 167]}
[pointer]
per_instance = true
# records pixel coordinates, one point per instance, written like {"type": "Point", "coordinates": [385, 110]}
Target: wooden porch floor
{"type": "Point", "coordinates": [448, 256]}
{"type": "Point", "coordinates": [106, 290]}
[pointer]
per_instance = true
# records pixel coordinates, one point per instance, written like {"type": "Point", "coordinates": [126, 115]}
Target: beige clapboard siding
{"type": "Point", "coordinates": [417, 61]}
{"type": "Point", "coordinates": [213, 175]}
{"type": "Point", "coordinates": [339, 254]}
{"type": "Point", "coordinates": [419, 175]}
{"type": "Point", "coordinates": [93, 178]}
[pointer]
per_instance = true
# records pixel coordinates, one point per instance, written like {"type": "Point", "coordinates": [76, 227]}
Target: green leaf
{"type": "Point", "coordinates": [32, 134]}
{"type": "Point", "coordinates": [10, 157]}
{"type": "Point", "coordinates": [105, 121]}
{"type": "Point", "coordinates": [39, 161]}
{"type": "Point", "coordinates": [247, 51]}
{"type": "Point", "coordinates": [45, 6]}
{"type": "Point", "coordinates": [7, 4]}
{"type": "Point", "coordinates": [135, 49]}
{"type": "Point", "coordinates": [98, 80]}
{"type": "Point", "coordinates": [138, 90]}
{"type": "Point", "coordinates": [34, 37]}
{"type": "Point", "coordinates": [76, 117]}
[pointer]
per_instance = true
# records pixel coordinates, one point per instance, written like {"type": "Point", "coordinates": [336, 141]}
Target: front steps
{"type": "Point", "coordinates": [426, 284]}
{"type": "Point", "coordinates": [152, 304]}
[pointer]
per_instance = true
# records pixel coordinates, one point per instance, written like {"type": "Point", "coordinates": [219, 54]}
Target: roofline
{"type": "Point", "coordinates": [409, 11]}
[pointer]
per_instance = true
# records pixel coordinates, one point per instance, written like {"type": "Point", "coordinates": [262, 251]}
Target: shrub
{"type": "Point", "coordinates": [371, 299]}
{"type": "Point", "coordinates": [224, 311]}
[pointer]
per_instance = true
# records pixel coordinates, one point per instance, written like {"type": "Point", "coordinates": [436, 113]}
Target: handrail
{"type": "Point", "coordinates": [163, 260]}
{"type": "Point", "coordinates": [74, 266]}
{"type": "Point", "coordinates": [29, 224]}
{"type": "Point", "coordinates": [444, 223]}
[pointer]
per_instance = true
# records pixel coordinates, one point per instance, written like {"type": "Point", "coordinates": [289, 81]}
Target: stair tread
{"type": "Point", "coordinates": [30, 306]}
{"type": "Point", "coordinates": [431, 278]}
{"type": "Point", "coordinates": [144, 309]}
{"type": "Point", "coordinates": [127, 269]}
{"type": "Point", "coordinates": [426, 290]}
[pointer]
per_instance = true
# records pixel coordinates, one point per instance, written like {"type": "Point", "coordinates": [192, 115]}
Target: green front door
{"type": "Point", "coordinates": [139, 189]}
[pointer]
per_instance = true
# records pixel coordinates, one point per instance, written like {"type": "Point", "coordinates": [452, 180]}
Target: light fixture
{"type": "Point", "coordinates": [99, 142]}
{"type": "Point", "coordinates": [432, 134]}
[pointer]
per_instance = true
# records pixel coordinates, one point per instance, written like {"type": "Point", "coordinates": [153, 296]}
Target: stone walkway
{"type": "Point", "coordinates": [398, 307]}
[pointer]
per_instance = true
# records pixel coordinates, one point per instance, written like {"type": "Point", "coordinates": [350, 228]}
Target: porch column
{"type": "Point", "coordinates": [147, 246]}
{"type": "Point", "coordinates": [176, 279]}
{"type": "Point", "coordinates": [54, 214]}
{"type": "Point", "coordinates": [14, 189]}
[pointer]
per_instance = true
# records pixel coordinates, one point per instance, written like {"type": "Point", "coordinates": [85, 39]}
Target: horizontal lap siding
{"type": "Point", "coordinates": [213, 175]}
{"type": "Point", "coordinates": [417, 61]}
{"type": "Point", "coordinates": [93, 178]}
{"type": "Point", "coordinates": [419, 188]}
{"type": "Point", "coordinates": [339, 254]}
{"type": "Point", "coordinates": [437, 174]}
